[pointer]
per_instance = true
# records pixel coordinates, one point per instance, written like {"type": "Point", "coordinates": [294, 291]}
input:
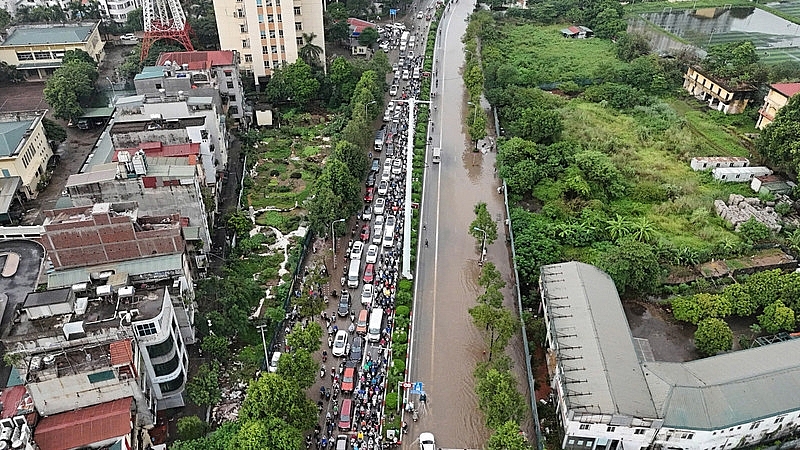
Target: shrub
{"type": "Point", "coordinates": [403, 311]}
{"type": "Point", "coordinates": [391, 401]}
{"type": "Point", "coordinates": [713, 336]}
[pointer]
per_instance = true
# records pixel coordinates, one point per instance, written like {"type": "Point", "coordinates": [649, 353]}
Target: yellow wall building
{"type": "Point", "coordinates": [24, 150]}
{"type": "Point", "coordinates": [718, 93]}
{"type": "Point", "coordinates": [778, 96]}
{"type": "Point", "coordinates": [37, 50]}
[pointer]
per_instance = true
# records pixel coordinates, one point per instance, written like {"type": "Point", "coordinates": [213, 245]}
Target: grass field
{"type": "Point", "coordinates": [543, 56]}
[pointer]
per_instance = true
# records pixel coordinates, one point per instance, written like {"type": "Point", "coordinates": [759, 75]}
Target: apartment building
{"type": "Point", "coordinates": [118, 10]}
{"type": "Point", "coordinates": [611, 394]}
{"type": "Point", "coordinates": [719, 94]}
{"type": "Point", "coordinates": [37, 50]}
{"type": "Point", "coordinates": [24, 150]}
{"type": "Point", "coordinates": [777, 97]}
{"type": "Point", "coordinates": [268, 33]}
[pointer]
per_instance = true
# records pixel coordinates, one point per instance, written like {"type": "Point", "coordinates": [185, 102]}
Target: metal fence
{"type": "Point", "coordinates": [531, 387]}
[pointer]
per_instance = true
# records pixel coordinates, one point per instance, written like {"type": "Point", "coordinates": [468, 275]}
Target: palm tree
{"type": "Point", "coordinates": [309, 52]}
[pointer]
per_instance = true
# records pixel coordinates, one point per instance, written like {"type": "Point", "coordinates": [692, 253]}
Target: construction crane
{"type": "Point", "coordinates": [164, 19]}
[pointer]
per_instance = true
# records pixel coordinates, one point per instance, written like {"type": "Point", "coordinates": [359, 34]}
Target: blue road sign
{"type": "Point", "coordinates": [417, 388]}
{"type": "Point", "coordinates": [393, 12]}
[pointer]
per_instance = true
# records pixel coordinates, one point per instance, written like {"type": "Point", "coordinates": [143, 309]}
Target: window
{"type": "Point", "coordinates": [168, 367]}
{"type": "Point", "coordinates": [158, 350]}
{"type": "Point", "coordinates": [779, 419]}
{"type": "Point", "coordinates": [297, 11]}
{"type": "Point", "coordinates": [228, 73]}
{"type": "Point", "coordinates": [611, 429]}
{"type": "Point", "coordinates": [146, 329]}
{"type": "Point", "coordinates": [173, 385]}
{"type": "Point", "coordinates": [274, 49]}
{"type": "Point", "coordinates": [233, 110]}
{"type": "Point", "coordinates": [280, 19]}
{"type": "Point", "coordinates": [280, 34]}
{"type": "Point", "coordinates": [298, 26]}
{"type": "Point", "coordinates": [272, 34]}
{"type": "Point", "coordinates": [266, 64]}
{"type": "Point", "coordinates": [584, 426]}
{"type": "Point", "coordinates": [260, 18]}
{"type": "Point", "coordinates": [245, 43]}
{"type": "Point", "coordinates": [6, 173]}
{"type": "Point", "coordinates": [248, 58]}
{"type": "Point", "coordinates": [638, 431]}
{"type": "Point", "coordinates": [232, 98]}
{"type": "Point", "coordinates": [24, 56]}
{"type": "Point", "coordinates": [299, 41]}
{"type": "Point", "coordinates": [239, 13]}
{"type": "Point", "coordinates": [263, 34]}
{"type": "Point", "coordinates": [687, 435]}
{"type": "Point", "coordinates": [258, 2]}
{"type": "Point", "coordinates": [229, 84]}
{"type": "Point", "coordinates": [242, 28]}
{"type": "Point", "coordinates": [270, 18]}
{"type": "Point", "coordinates": [264, 50]}
{"type": "Point", "coordinates": [42, 55]}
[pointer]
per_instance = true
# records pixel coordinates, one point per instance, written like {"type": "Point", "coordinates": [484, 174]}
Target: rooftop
{"type": "Point", "coordinates": [787, 89]}
{"type": "Point", "coordinates": [137, 268]}
{"type": "Point", "coordinates": [597, 354]}
{"type": "Point", "coordinates": [721, 159]}
{"type": "Point", "coordinates": [198, 59]}
{"type": "Point", "coordinates": [8, 189]}
{"type": "Point", "coordinates": [80, 428]}
{"type": "Point", "coordinates": [158, 149]}
{"type": "Point", "coordinates": [11, 135]}
{"type": "Point", "coordinates": [47, 297]}
{"type": "Point", "coordinates": [50, 34]}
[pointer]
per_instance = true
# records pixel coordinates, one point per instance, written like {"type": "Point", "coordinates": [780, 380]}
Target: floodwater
{"type": "Point", "coordinates": [708, 26]}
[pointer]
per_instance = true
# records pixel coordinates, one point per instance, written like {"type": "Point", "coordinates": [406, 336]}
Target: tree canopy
{"type": "Point", "coordinates": [713, 336]}
{"type": "Point", "coordinates": [780, 140]}
{"type": "Point", "coordinates": [71, 85]}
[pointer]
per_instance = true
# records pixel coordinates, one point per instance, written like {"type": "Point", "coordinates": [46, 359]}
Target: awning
{"type": "Point", "coordinates": [39, 65]}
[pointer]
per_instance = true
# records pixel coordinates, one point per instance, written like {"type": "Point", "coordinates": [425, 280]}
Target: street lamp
{"type": "Point", "coordinates": [113, 92]}
{"type": "Point", "coordinates": [333, 234]}
{"type": "Point", "coordinates": [483, 245]}
{"type": "Point", "coordinates": [367, 104]}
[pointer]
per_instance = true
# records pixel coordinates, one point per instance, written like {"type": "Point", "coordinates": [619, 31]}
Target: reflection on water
{"type": "Point", "coordinates": [707, 26]}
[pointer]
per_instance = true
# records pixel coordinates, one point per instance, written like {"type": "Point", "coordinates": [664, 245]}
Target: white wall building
{"type": "Point", "coordinates": [268, 33]}
{"type": "Point", "coordinates": [712, 162]}
{"type": "Point", "coordinates": [118, 10]}
{"type": "Point", "coordinates": [608, 397]}
{"type": "Point", "coordinates": [740, 174]}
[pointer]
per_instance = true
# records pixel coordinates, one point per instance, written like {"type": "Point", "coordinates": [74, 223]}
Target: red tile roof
{"type": "Point", "coordinates": [787, 89]}
{"type": "Point", "coordinates": [121, 352]}
{"type": "Point", "coordinates": [82, 427]}
{"type": "Point", "coordinates": [15, 401]}
{"type": "Point", "coordinates": [358, 25]}
{"type": "Point", "coordinates": [198, 60]}
{"type": "Point", "coordinates": [157, 149]}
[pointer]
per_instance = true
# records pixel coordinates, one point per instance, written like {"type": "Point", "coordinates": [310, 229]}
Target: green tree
{"type": "Point", "coordinates": [701, 306]}
{"type": "Point", "coordinates": [713, 336]}
{"type": "Point", "coordinates": [273, 396]}
{"type": "Point", "coordinates": [538, 125]}
{"type": "Point", "coordinates": [294, 83]}
{"type": "Point", "coordinates": [308, 338]}
{"type": "Point", "coordinates": [499, 399]}
{"type": "Point", "coordinates": [216, 347]}
{"type": "Point", "coordinates": [631, 46]}
{"type": "Point", "coordinates": [54, 131]}
{"type": "Point", "coordinates": [742, 303]}
{"type": "Point", "coordinates": [352, 156]}
{"type": "Point", "coordinates": [135, 21]}
{"type": "Point", "coordinates": [490, 277]}
{"type": "Point", "coordinates": [239, 223]}
{"type": "Point", "coordinates": [507, 437]}
{"type": "Point", "coordinates": [5, 19]}
{"type": "Point", "coordinates": [483, 221]}
{"type": "Point", "coordinates": [203, 388]}
{"type": "Point", "coordinates": [8, 73]}
{"type": "Point", "coordinates": [632, 265]}
{"type": "Point", "coordinates": [735, 61]}
{"type": "Point", "coordinates": [299, 366]}
{"type": "Point", "coordinates": [338, 31]}
{"type": "Point", "coordinates": [267, 434]}
{"type": "Point", "coordinates": [70, 85]}
{"type": "Point", "coordinates": [191, 427]}
{"type": "Point", "coordinates": [777, 317]}
{"type": "Point", "coordinates": [368, 37]}
{"type": "Point", "coordinates": [497, 323]}
{"type": "Point", "coordinates": [609, 23]}
{"type": "Point", "coordinates": [309, 51]}
{"type": "Point", "coordinates": [780, 140]}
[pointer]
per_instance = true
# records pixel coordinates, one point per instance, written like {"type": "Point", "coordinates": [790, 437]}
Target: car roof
{"type": "Point", "coordinates": [426, 437]}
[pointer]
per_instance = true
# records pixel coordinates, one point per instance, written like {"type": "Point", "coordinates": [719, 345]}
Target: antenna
{"type": "Point", "coordinates": [164, 19]}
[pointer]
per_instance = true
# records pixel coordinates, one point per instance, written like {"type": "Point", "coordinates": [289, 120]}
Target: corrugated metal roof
{"type": "Point", "coordinates": [8, 188]}
{"type": "Point", "coordinates": [727, 390]}
{"type": "Point", "coordinates": [135, 267]}
{"type": "Point", "coordinates": [588, 323]}
{"type": "Point", "coordinates": [53, 34]}
{"type": "Point", "coordinates": [80, 428]}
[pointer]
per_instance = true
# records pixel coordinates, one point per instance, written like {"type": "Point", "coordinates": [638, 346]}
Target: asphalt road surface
{"type": "Point", "coordinates": [446, 345]}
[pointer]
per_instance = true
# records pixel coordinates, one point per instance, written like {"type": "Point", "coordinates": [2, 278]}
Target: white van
{"type": "Point", "coordinates": [352, 273]}
{"type": "Point", "coordinates": [388, 238]}
{"type": "Point", "coordinates": [377, 234]}
{"type": "Point", "coordinates": [375, 325]}
{"type": "Point", "coordinates": [437, 155]}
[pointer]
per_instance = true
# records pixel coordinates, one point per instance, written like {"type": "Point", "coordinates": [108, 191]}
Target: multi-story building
{"type": "Point", "coordinates": [212, 74]}
{"type": "Point", "coordinates": [719, 94]}
{"type": "Point", "coordinates": [24, 150]}
{"type": "Point", "coordinates": [37, 50]}
{"type": "Point", "coordinates": [268, 33]}
{"type": "Point", "coordinates": [777, 97]}
{"type": "Point", "coordinates": [118, 10]}
{"type": "Point", "coordinates": [611, 394]}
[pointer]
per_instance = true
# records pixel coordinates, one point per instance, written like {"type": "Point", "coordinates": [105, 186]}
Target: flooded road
{"type": "Point", "coordinates": [447, 346]}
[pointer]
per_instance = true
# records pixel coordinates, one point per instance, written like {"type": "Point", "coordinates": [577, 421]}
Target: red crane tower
{"type": "Point", "coordinates": [164, 19]}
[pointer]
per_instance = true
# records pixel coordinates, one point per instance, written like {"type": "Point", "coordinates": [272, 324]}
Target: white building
{"type": "Point", "coordinates": [118, 10]}
{"type": "Point", "coordinates": [739, 174]}
{"type": "Point", "coordinates": [609, 397]}
{"type": "Point", "coordinates": [713, 162]}
{"type": "Point", "coordinates": [268, 33]}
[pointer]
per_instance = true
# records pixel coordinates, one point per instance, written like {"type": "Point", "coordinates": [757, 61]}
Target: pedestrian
{"type": "Point", "coordinates": [426, 242]}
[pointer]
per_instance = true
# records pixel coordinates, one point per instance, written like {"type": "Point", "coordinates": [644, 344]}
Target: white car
{"type": "Point", "coordinates": [386, 175]}
{"type": "Point", "coordinates": [340, 343]}
{"type": "Point", "coordinates": [420, 15]}
{"type": "Point", "coordinates": [406, 75]}
{"type": "Point", "coordinates": [387, 164]}
{"type": "Point", "coordinates": [372, 254]}
{"type": "Point", "coordinates": [391, 221]}
{"type": "Point", "coordinates": [355, 252]}
{"type": "Point", "coordinates": [366, 295]}
{"type": "Point", "coordinates": [380, 205]}
{"type": "Point", "coordinates": [393, 90]}
{"type": "Point", "coordinates": [377, 234]}
{"type": "Point", "coordinates": [426, 441]}
{"type": "Point", "coordinates": [411, 54]}
{"type": "Point", "coordinates": [383, 188]}
{"type": "Point", "coordinates": [377, 220]}
{"type": "Point", "coordinates": [273, 363]}
{"type": "Point", "coordinates": [397, 166]}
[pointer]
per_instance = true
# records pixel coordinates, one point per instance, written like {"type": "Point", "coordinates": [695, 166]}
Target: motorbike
{"type": "Point", "coordinates": [322, 372]}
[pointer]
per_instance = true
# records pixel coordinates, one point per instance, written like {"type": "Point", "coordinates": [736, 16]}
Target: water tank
{"type": "Point", "coordinates": [185, 66]}
{"type": "Point", "coordinates": [123, 156]}
{"type": "Point", "coordinates": [48, 360]}
{"type": "Point", "coordinates": [3, 445]}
